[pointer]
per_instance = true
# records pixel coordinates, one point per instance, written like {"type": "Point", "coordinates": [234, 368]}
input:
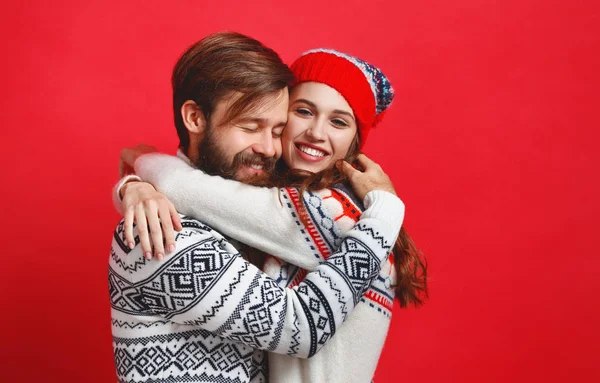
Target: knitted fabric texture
{"type": "Point", "coordinates": [239, 211]}
{"type": "Point", "coordinates": [205, 314]}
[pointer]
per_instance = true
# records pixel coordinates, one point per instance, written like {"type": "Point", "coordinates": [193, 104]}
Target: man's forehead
{"type": "Point", "coordinates": [263, 102]}
{"type": "Point", "coordinates": [270, 109]}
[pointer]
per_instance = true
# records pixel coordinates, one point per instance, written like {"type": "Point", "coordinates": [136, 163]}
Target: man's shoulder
{"type": "Point", "coordinates": [194, 227]}
{"type": "Point", "coordinates": [194, 224]}
{"type": "Point", "coordinates": [193, 230]}
{"type": "Point", "coordinates": [195, 236]}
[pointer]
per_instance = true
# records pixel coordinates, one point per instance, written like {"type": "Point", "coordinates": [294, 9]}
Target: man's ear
{"type": "Point", "coordinates": [193, 118]}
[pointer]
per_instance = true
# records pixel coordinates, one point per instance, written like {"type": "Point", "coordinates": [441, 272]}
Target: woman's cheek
{"type": "Point", "coordinates": [292, 127]}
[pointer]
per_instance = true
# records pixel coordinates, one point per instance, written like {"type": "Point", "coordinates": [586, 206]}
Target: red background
{"type": "Point", "coordinates": [490, 143]}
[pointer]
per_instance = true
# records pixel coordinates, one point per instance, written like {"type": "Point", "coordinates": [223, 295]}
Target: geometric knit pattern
{"type": "Point", "coordinates": [269, 219]}
{"type": "Point", "coordinates": [205, 314]}
{"type": "Point", "coordinates": [324, 231]}
{"type": "Point", "coordinates": [329, 215]}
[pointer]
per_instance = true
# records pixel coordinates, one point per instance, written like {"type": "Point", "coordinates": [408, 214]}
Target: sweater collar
{"type": "Point", "coordinates": [182, 155]}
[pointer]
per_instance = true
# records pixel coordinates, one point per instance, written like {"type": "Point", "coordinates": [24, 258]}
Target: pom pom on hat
{"type": "Point", "coordinates": [366, 89]}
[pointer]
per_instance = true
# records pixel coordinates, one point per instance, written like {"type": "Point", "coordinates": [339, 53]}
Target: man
{"type": "Point", "coordinates": [205, 313]}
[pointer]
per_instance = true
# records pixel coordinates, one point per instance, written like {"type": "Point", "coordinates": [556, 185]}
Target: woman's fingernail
{"type": "Point", "coordinates": [171, 248]}
{"type": "Point", "coordinates": [148, 255]}
{"type": "Point", "coordinates": [160, 256]}
{"type": "Point", "coordinates": [131, 245]}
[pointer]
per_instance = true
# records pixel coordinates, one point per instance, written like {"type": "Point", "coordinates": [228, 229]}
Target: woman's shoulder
{"type": "Point", "coordinates": [339, 203]}
{"type": "Point", "coordinates": [346, 195]}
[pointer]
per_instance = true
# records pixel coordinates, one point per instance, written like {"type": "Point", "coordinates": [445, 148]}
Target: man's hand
{"type": "Point", "coordinates": [150, 210]}
{"type": "Point", "coordinates": [129, 155]}
{"type": "Point", "coordinates": [372, 178]}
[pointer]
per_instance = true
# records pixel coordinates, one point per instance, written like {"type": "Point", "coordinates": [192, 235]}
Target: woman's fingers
{"type": "Point", "coordinates": [167, 228]}
{"type": "Point", "coordinates": [156, 219]}
{"type": "Point", "coordinates": [142, 228]}
{"type": "Point", "coordinates": [156, 235]}
{"type": "Point", "coordinates": [128, 227]}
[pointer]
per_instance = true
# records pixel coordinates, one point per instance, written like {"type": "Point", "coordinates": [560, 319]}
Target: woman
{"type": "Point", "coordinates": [337, 98]}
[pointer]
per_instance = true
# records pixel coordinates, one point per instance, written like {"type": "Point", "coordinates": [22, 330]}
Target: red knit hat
{"type": "Point", "coordinates": [366, 89]}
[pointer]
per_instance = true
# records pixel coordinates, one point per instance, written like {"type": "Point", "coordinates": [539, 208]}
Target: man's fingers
{"type": "Point", "coordinates": [167, 228]}
{"type": "Point", "coordinates": [366, 162]}
{"type": "Point", "coordinates": [128, 226]}
{"type": "Point", "coordinates": [142, 228]}
{"type": "Point", "coordinates": [347, 169]}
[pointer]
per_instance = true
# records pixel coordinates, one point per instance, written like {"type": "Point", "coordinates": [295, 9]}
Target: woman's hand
{"type": "Point", "coordinates": [150, 210]}
{"type": "Point", "coordinates": [129, 155]}
{"type": "Point", "coordinates": [371, 178]}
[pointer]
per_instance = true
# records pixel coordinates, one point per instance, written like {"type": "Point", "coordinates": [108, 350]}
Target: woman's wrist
{"type": "Point", "coordinates": [124, 182]}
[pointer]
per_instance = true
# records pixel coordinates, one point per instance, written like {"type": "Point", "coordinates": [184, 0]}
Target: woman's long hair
{"type": "Point", "coordinates": [410, 263]}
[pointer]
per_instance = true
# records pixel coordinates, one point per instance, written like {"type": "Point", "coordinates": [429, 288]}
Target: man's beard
{"type": "Point", "coordinates": [213, 160]}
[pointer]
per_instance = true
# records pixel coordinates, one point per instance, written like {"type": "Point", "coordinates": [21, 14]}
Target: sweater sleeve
{"type": "Point", "coordinates": [263, 218]}
{"type": "Point", "coordinates": [208, 284]}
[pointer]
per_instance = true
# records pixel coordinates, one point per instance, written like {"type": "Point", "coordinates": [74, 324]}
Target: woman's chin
{"type": "Point", "coordinates": [313, 168]}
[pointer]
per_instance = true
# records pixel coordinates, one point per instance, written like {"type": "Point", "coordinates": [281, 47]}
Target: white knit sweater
{"type": "Point", "coordinates": [267, 219]}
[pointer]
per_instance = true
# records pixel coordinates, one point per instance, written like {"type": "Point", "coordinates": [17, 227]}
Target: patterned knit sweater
{"type": "Point", "coordinates": [268, 220]}
{"type": "Point", "coordinates": [206, 314]}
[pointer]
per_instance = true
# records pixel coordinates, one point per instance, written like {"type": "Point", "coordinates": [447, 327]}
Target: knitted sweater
{"type": "Point", "coordinates": [267, 219]}
{"type": "Point", "coordinates": [205, 314]}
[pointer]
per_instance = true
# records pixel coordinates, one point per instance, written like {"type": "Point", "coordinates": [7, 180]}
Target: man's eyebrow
{"type": "Point", "coordinates": [313, 105]}
{"type": "Point", "coordinates": [260, 121]}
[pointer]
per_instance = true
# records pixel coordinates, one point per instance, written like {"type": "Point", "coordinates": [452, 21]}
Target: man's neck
{"type": "Point", "coordinates": [184, 156]}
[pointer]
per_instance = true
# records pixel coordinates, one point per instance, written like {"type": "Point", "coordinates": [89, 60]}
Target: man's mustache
{"type": "Point", "coordinates": [245, 158]}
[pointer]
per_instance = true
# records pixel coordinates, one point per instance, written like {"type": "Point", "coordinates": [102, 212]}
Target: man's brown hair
{"type": "Point", "coordinates": [220, 64]}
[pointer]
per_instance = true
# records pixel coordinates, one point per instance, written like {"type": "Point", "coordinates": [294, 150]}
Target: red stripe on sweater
{"type": "Point", "coordinates": [308, 223]}
{"type": "Point", "coordinates": [379, 299]}
{"type": "Point", "coordinates": [299, 277]}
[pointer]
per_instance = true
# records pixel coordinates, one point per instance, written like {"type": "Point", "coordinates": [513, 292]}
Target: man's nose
{"type": "Point", "coordinates": [265, 146]}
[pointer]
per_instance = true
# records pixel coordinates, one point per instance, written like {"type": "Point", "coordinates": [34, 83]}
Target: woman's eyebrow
{"type": "Point", "coordinates": [309, 103]}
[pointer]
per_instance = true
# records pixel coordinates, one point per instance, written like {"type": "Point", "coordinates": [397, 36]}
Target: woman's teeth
{"type": "Point", "coordinates": [311, 151]}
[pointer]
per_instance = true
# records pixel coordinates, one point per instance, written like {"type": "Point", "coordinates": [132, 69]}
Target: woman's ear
{"type": "Point", "coordinates": [193, 118]}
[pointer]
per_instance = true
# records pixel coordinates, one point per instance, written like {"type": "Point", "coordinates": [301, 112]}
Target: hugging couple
{"type": "Point", "coordinates": [269, 249]}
